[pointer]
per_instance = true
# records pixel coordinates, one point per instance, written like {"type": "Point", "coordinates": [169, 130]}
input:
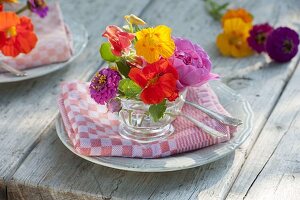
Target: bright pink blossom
{"type": "Point", "coordinates": [192, 64]}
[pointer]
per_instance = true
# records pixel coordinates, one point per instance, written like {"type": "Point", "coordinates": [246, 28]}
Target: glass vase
{"type": "Point", "coordinates": [136, 123]}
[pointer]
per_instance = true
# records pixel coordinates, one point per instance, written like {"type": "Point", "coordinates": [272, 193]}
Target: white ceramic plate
{"type": "Point", "coordinates": [80, 39]}
{"type": "Point", "coordinates": [233, 103]}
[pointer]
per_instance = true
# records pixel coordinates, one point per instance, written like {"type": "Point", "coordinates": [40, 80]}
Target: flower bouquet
{"type": "Point", "coordinates": [147, 76]}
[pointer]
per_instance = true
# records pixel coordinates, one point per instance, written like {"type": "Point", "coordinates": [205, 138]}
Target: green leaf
{"type": "Point", "coordinates": [123, 67]}
{"type": "Point", "coordinates": [106, 54]}
{"type": "Point", "coordinates": [129, 88]}
{"type": "Point", "coordinates": [157, 110]}
{"type": "Point", "coordinates": [215, 9]}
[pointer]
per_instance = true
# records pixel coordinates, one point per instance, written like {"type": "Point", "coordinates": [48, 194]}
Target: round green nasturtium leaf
{"type": "Point", "coordinates": [106, 54]}
{"type": "Point", "coordinates": [157, 111]}
{"type": "Point", "coordinates": [129, 88]}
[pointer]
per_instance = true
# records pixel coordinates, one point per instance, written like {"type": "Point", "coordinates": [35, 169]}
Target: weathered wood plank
{"type": "Point", "coordinates": [28, 108]}
{"type": "Point", "coordinates": [272, 169]}
{"type": "Point", "coordinates": [53, 168]}
{"type": "Point", "coordinates": [86, 179]}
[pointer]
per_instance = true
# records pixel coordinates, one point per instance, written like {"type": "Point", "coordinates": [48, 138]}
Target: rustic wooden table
{"type": "Point", "coordinates": [34, 164]}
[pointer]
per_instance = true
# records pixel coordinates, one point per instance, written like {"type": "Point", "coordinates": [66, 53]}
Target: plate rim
{"type": "Point", "coordinates": [225, 149]}
{"type": "Point", "coordinates": [64, 64]}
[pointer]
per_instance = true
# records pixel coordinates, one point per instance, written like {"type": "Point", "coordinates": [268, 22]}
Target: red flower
{"type": "Point", "coordinates": [16, 34]}
{"type": "Point", "coordinates": [119, 39]}
{"type": "Point", "coordinates": [1, 7]}
{"type": "Point", "coordinates": [158, 81]}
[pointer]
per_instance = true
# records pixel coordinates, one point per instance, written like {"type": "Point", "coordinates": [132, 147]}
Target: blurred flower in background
{"type": "Point", "coordinates": [240, 13]}
{"type": "Point", "coordinates": [17, 34]}
{"type": "Point", "coordinates": [258, 37]}
{"type": "Point", "coordinates": [282, 44]}
{"type": "Point", "coordinates": [38, 6]}
{"type": "Point", "coordinates": [233, 40]}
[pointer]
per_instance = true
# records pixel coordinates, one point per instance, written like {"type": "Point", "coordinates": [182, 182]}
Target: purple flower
{"type": "Point", "coordinates": [114, 105]}
{"type": "Point", "coordinates": [258, 37]}
{"type": "Point", "coordinates": [104, 85]}
{"type": "Point", "coordinates": [192, 64]}
{"type": "Point", "coordinates": [38, 6]}
{"type": "Point", "coordinates": [282, 44]}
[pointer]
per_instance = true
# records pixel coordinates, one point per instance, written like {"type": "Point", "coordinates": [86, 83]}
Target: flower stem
{"type": "Point", "coordinates": [22, 9]}
{"type": "Point", "coordinates": [131, 28]}
{"type": "Point", "coordinates": [215, 9]}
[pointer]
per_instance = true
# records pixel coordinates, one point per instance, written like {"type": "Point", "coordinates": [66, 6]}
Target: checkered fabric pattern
{"type": "Point", "coordinates": [54, 42]}
{"type": "Point", "coordinates": [94, 131]}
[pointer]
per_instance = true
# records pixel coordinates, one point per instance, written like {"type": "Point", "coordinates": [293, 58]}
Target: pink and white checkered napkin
{"type": "Point", "coordinates": [94, 131]}
{"type": "Point", "coordinates": [54, 42]}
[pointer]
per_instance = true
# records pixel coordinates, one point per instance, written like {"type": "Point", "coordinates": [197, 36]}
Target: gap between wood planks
{"type": "Point", "coordinates": [272, 110]}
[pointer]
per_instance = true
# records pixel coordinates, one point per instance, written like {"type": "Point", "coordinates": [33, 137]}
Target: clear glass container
{"type": "Point", "coordinates": [136, 123]}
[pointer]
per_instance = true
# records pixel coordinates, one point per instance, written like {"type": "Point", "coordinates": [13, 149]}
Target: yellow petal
{"type": "Point", "coordinates": [223, 44]}
{"type": "Point", "coordinates": [163, 32]}
{"type": "Point", "coordinates": [142, 33]}
{"type": "Point", "coordinates": [149, 53]}
{"type": "Point", "coordinates": [167, 49]}
{"type": "Point", "coordinates": [151, 56]}
{"type": "Point", "coordinates": [132, 19]}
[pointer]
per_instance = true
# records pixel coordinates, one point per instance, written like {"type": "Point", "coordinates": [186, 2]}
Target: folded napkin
{"type": "Point", "coordinates": [54, 42]}
{"type": "Point", "coordinates": [94, 131]}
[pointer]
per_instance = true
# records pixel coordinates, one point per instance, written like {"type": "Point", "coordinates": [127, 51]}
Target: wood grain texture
{"type": "Point", "coordinates": [272, 168]}
{"type": "Point", "coordinates": [52, 172]}
{"type": "Point", "coordinates": [28, 108]}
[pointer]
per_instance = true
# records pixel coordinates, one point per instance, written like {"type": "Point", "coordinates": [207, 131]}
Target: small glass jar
{"type": "Point", "coordinates": [136, 123]}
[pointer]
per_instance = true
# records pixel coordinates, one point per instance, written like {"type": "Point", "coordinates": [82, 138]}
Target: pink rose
{"type": "Point", "coordinates": [192, 64]}
{"type": "Point", "coordinates": [120, 40]}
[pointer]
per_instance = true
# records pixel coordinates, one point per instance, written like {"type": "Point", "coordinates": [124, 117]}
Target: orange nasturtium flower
{"type": "Point", "coordinates": [237, 13]}
{"type": "Point", "coordinates": [154, 43]}
{"type": "Point", "coordinates": [158, 81]}
{"type": "Point", "coordinates": [17, 34]}
{"type": "Point", "coordinates": [233, 41]}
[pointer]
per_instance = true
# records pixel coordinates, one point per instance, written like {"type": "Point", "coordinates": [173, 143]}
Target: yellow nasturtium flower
{"type": "Point", "coordinates": [233, 40]}
{"type": "Point", "coordinates": [153, 43]}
